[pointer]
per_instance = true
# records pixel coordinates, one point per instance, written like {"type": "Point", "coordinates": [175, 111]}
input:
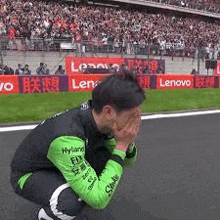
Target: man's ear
{"type": "Point", "coordinates": [109, 112]}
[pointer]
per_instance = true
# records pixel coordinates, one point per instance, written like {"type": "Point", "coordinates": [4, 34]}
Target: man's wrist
{"type": "Point", "coordinates": [122, 146]}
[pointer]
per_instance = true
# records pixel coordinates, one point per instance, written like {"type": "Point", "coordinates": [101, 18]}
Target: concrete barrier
{"type": "Point", "coordinates": [12, 58]}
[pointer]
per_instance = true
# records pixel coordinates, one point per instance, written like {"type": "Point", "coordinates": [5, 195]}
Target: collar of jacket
{"type": "Point", "coordinates": [90, 126]}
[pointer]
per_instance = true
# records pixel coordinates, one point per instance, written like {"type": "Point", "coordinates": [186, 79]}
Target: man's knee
{"type": "Point", "coordinates": [64, 202]}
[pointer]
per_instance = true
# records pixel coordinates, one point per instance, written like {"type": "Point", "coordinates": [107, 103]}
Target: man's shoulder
{"type": "Point", "coordinates": [69, 121]}
{"type": "Point", "coordinates": [66, 123]}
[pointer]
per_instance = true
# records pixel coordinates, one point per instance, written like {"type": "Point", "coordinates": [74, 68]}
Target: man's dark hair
{"type": "Point", "coordinates": [122, 91]}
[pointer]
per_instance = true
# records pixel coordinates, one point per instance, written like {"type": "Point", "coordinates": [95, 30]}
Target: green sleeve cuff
{"type": "Point", "coordinates": [119, 153]}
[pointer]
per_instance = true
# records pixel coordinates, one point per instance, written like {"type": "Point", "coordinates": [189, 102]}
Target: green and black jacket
{"type": "Point", "coordinates": [71, 142]}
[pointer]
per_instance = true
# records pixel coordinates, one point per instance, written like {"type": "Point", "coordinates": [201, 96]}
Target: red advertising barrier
{"type": "Point", "coordinates": [216, 71]}
{"type": "Point", "coordinates": [84, 82]}
{"type": "Point", "coordinates": [87, 82]}
{"type": "Point", "coordinates": [144, 81]}
{"type": "Point", "coordinates": [205, 82]}
{"type": "Point", "coordinates": [9, 85]}
{"type": "Point", "coordinates": [154, 66]}
{"type": "Point", "coordinates": [42, 84]}
{"type": "Point", "coordinates": [77, 65]}
{"type": "Point", "coordinates": [175, 82]}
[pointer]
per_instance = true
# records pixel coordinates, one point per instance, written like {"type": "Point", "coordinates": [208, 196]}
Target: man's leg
{"type": "Point", "coordinates": [49, 189]}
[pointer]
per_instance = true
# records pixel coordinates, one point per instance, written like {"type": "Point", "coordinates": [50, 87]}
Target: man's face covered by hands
{"type": "Point", "coordinates": [132, 116]}
{"type": "Point", "coordinates": [124, 121]}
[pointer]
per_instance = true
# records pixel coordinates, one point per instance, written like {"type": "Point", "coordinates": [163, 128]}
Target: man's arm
{"type": "Point", "coordinates": [68, 154]}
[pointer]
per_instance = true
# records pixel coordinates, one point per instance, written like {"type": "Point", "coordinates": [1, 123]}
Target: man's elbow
{"type": "Point", "coordinates": [100, 203]}
{"type": "Point", "coordinates": [99, 206]}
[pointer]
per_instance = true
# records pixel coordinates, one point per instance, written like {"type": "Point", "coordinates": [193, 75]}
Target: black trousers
{"type": "Point", "coordinates": [50, 190]}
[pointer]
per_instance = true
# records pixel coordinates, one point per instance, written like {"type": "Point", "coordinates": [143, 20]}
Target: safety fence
{"type": "Point", "coordinates": [165, 48]}
{"type": "Point", "coordinates": [86, 82]}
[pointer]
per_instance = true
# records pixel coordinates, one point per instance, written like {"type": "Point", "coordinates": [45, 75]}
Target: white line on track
{"type": "Point", "coordinates": [17, 128]}
{"type": "Point", "coordinates": [175, 115]}
{"type": "Point", "coordinates": [144, 117]}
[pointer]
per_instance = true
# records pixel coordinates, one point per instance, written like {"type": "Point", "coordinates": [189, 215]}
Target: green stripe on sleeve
{"type": "Point", "coordinates": [119, 153]}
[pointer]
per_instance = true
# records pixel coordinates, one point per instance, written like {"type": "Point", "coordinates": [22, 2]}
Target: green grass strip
{"type": "Point", "coordinates": [37, 107]}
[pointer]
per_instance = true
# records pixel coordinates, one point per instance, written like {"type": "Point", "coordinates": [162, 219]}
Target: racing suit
{"type": "Point", "coordinates": [70, 143]}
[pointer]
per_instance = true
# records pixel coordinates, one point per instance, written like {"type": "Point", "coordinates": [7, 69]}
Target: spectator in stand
{"type": "Point", "coordinates": [111, 69]}
{"type": "Point", "coordinates": [11, 37]}
{"type": "Point", "coordinates": [60, 70]}
{"type": "Point", "coordinates": [146, 70]}
{"type": "Point", "coordinates": [78, 41]}
{"type": "Point", "coordinates": [41, 70]}
{"type": "Point", "coordinates": [19, 70]}
{"type": "Point", "coordinates": [135, 69]}
{"type": "Point", "coordinates": [8, 70]}
{"type": "Point", "coordinates": [123, 68]}
{"type": "Point", "coordinates": [160, 70]}
{"type": "Point", "coordinates": [46, 69]}
{"type": "Point", "coordinates": [26, 70]}
{"type": "Point", "coordinates": [1, 69]}
{"type": "Point", "coordinates": [84, 42]}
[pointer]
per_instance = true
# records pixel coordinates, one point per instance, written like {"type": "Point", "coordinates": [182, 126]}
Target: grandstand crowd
{"type": "Point", "coordinates": [104, 29]}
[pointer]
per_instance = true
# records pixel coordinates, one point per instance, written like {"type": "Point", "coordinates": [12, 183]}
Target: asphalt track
{"type": "Point", "coordinates": [176, 177]}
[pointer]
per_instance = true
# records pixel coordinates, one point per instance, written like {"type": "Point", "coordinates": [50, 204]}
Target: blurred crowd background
{"type": "Point", "coordinates": [55, 25]}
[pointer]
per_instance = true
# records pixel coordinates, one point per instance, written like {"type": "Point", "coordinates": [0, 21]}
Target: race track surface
{"type": "Point", "coordinates": [176, 177]}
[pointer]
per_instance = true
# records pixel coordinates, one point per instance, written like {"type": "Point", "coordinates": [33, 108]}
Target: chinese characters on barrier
{"type": "Point", "coordinates": [86, 82]}
{"type": "Point", "coordinates": [40, 84]}
{"type": "Point", "coordinates": [205, 81]}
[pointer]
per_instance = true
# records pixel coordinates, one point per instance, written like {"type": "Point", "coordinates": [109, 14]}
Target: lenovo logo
{"type": "Point", "coordinates": [175, 83]}
{"type": "Point", "coordinates": [84, 84]}
{"type": "Point", "coordinates": [81, 67]}
{"type": "Point", "coordinates": [6, 87]}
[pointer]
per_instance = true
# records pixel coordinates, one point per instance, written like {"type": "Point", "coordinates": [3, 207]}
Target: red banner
{"type": "Point", "coordinates": [78, 65]}
{"type": "Point", "coordinates": [204, 82]}
{"type": "Point", "coordinates": [144, 81]}
{"type": "Point", "coordinates": [42, 84]}
{"type": "Point", "coordinates": [87, 82]}
{"type": "Point", "coordinates": [175, 82]}
{"type": "Point", "coordinates": [153, 66]}
{"type": "Point", "coordinates": [9, 85]}
{"type": "Point", "coordinates": [217, 69]}
{"type": "Point", "coordinates": [83, 82]}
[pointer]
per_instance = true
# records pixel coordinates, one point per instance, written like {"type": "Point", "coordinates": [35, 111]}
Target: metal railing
{"type": "Point", "coordinates": [135, 48]}
{"type": "Point", "coordinates": [120, 48]}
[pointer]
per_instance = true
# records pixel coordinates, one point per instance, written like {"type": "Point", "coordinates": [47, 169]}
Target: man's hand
{"type": "Point", "coordinates": [128, 133]}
